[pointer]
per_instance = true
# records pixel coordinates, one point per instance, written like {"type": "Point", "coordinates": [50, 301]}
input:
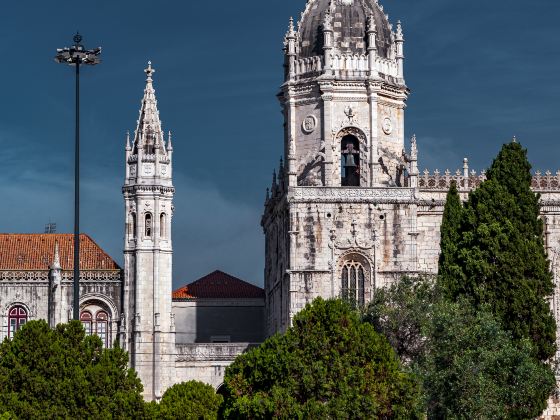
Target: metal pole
{"type": "Point", "coordinates": [75, 56]}
{"type": "Point", "coordinates": [77, 201]}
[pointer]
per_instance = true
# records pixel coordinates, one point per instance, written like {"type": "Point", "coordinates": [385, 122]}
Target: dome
{"type": "Point", "coordinates": [350, 18]}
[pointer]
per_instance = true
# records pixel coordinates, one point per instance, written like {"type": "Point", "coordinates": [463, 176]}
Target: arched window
{"type": "Point", "coordinates": [148, 225]}
{"type": "Point", "coordinates": [162, 225]}
{"type": "Point", "coordinates": [101, 324]}
{"type": "Point", "coordinates": [17, 317]}
{"type": "Point", "coordinates": [98, 324]}
{"type": "Point", "coordinates": [87, 320]}
{"type": "Point", "coordinates": [350, 161]}
{"type": "Point", "coordinates": [353, 282]}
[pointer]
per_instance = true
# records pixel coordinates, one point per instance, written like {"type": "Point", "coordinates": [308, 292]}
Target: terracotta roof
{"type": "Point", "coordinates": [36, 252]}
{"type": "Point", "coordinates": [219, 285]}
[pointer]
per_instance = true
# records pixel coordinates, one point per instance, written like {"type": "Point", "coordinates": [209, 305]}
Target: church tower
{"type": "Point", "coordinates": [340, 216]}
{"type": "Point", "coordinates": [147, 330]}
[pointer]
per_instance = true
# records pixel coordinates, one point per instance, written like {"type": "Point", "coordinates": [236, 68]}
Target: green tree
{"type": "Point", "coordinates": [329, 364]}
{"type": "Point", "coordinates": [62, 373]}
{"type": "Point", "coordinates": [403, 313]}
{"type": "Point", "coordinates": [472, 368]}
{"type": "Point", "coordinates": [499, 259]}
{"type": "Point", "coordinates": [191, 400]}
{"type": "Point", "coordinates": [450, 225]}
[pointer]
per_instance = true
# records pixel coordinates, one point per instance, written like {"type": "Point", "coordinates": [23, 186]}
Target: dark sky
{"type": "Point", "coordinates": [480, 72]}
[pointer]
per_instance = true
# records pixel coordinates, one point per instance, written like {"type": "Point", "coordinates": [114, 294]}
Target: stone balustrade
{"type": "Point", "coordinates": [442, 181]}
{"type": "Point", "coordinates": [200, 352]}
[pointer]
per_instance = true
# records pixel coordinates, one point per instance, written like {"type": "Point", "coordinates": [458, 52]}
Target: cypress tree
{"type": "Point", "coordinates": [452, 214]}
{"type": "Point", "coordinates": [499, 259]}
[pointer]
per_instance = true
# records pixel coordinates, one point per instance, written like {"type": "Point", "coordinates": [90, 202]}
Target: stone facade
{"type": "Point", "coordinates": [349, 211]}
{"type": "Point", "coordinates": [36, 281]}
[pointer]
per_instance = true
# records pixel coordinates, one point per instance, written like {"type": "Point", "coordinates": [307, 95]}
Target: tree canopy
{"type": "Point", "coordinates": [62, 373]}
{"type": "Point", "coordinates": [473, 369]}
{"type": "Point", "coordinates": [495, 254]}
{"type": "Point", "coordinates": [329, 364]}
{"type": "Point", "coordinates": [469, 365]}
{"type": "Point", "coordinates": [402, 313]}
{"type": "Point", "coordinates": [192, 400]}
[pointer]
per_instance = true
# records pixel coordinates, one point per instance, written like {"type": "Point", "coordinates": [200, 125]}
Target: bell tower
{"type": "Point", "coordinates": [334, 215]}
{"type": "Point", "coordinates": [147, 329]}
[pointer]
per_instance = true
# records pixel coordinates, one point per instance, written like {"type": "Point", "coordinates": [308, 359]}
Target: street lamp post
{"type": "Point", "coordinates": [77, 56]}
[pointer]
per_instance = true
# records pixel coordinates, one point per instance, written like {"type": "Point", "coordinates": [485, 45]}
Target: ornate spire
{"type": "Point", "coordinates": [128, 148]}
{"type": "Point", "coordinates": [56, 261]}
{"type": "Point", "coordinates": [169, 144]}
{"type": "Point", "coordinates": [148, 132]}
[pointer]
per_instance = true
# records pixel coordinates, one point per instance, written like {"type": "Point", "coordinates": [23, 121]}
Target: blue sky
{"type": "Point", "coordinates": [480, 72]}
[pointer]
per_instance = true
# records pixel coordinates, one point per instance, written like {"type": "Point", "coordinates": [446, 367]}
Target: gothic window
{"type": "Point", "coordinates": [350, 161]}
{"type": "Point", "coordinates": [162, 225]}
{"type": "Point", "coordinates": [148, 225]}
{"type": "Point", "coordinates": [353, 282]}
{"type": "Point", "coordinates": [98, 325]}
{"type": "Point", "coordinates": [17, 317]}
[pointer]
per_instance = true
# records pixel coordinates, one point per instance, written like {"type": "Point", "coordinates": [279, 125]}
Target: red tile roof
{"type": "Point", "coordinates": [36, 252]}
{"type": "Point", "coordinates": [219, 285]}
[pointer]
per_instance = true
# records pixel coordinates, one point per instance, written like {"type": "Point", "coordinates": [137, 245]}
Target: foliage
{"type": "Point", "coordinates": [402, 313]}
{"type": "Point", "coordinates": [499, 258]}
{"type": "Point", "coordinates": [330, 364]}
{"type": "Point", "coordinates": [473, 369]}
{"type": "Point", "coordinates": [191, 400]}
{"type": "Point", "coordinates": [62, 373]}
{"type": "Point", "coordinates": [450, 225]}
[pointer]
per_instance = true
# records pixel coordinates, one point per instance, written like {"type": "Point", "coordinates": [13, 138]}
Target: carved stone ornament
{"type": "Point", "coordinates": [328, 194]}
{"type": "Point", "coordinates": [148, 169]}
{"type": "Point", "coordinates": [133, 207]}
{"type": "Point", "coordinates": [133, 170]}
{"type": "Point", "coordinates": [309, 124]}
{"type": "Point", "coordinates": [387, 125]}
{"type": "Point", "coordinates": [164, 169]}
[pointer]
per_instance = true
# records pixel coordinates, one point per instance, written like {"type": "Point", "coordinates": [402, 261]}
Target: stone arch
{"type": "Point", "coordinates": [102, 301]}
{"type": "Point", "coordinates": [27, 308]}
{"type": "Point", "coordinates": [355, 258]}
{"type": "Point", "coordinates": [359, 134]}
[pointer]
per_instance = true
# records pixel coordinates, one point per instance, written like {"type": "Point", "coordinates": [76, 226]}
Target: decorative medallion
{"type": "Point", "coordinates": [133, 170]}
{"type": "Point", "coordinates": [387, 126]}
{"type": "Point", "coordinates": [164, 170]}
{"type": "Point", "coordinates": [309, 124]}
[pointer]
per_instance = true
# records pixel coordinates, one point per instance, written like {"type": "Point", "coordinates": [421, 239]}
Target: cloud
{"type": "Point", "coordinates": [210, 231]}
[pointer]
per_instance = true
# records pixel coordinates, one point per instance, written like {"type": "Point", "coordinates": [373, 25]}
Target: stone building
{"type": "Point", "coordinates": [188, 334]}
{"type": "Point", "coordinates": [36, 282]}
{"type": "Point", "coordinates": [349, 211]}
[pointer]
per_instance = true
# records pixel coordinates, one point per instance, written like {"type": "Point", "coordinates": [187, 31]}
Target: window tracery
{"type": "Point", "coordinates": [353, 282]}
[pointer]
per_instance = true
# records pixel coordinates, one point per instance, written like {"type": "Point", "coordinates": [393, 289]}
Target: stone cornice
{"type": "Point", "coordinates": [131, 189]}
{"type": "Point", "coordinates": [352, 195]}
{"type": "Point", "coordinates": [86, 276]}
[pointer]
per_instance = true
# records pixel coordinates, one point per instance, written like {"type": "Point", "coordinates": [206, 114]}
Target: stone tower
{"type": "Point", "coordinates": [340, 216]}
{"type": "Point", "coordinates": [147, 329]}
